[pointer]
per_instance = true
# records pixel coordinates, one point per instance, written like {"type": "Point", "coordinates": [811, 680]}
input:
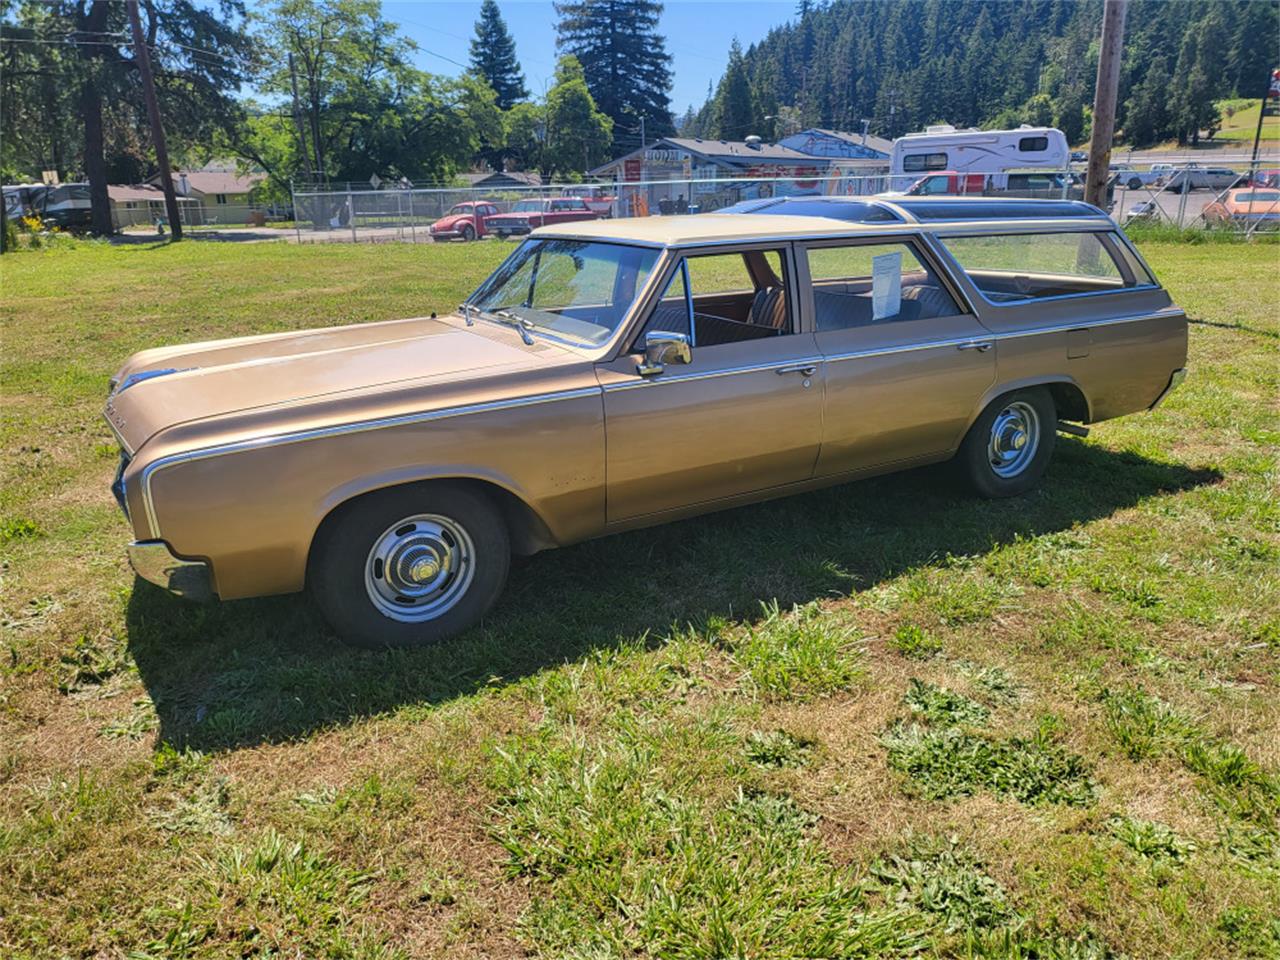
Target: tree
{"type": "Point", "coordinates": [524, 129]}
{"type": "Point", "coordinates": [625, 61]}
{"type": "Point", "coordinates": [361, 107]}
{"type": "Point", "coordinates": [578, 134]}
{"type": "Point", "coordinates": [734, 112]}
{"type": "Point", "coordinates": [200, 55]}
{"type": "Point", "coordinates": [1146, 112]}
{"type": "Point", "coordinates": [493, 57]}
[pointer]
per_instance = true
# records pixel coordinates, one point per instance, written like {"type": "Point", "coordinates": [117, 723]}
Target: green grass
{"type": "Point", "coordinates": [882, 720]}
{"type": "Point", "coordinates": [1240, 121]}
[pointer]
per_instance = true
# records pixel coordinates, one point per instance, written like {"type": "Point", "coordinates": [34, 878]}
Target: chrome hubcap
{"type": "Point", "coordinates": [420, 567]}
{"type": "Point", "coordinates": [1015, 437]}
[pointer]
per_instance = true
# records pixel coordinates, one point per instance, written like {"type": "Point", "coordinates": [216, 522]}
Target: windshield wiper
{"type": "Point", "coordinates": [520, 323]}
{"type": "Point", "coordinates": [465, 309]}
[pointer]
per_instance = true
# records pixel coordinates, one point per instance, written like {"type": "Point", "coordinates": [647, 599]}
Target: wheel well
{"type": "Point", "coordinates": [527, 531]}
{"type": "Point", "coordinates": [1069, 400]}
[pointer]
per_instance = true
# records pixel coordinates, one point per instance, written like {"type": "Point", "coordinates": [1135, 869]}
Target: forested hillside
{"type": "Point", "coordinates": [902, 64]}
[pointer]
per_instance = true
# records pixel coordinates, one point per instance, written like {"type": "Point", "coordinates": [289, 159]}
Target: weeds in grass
{"type": "Point", "coordinates": [994, 682]}
{"type": "Point", "coordinates": [170, 763]}
{"type": "Point", "coordinates": [300, 902]}
{"type": "Point", "coordinates": [92, 662]}
{"type": "Point", "coordinates": [940, 706]}
{"type": "Point", "coordinates": [140, 721]}
{"type": "Point", "coordinates": [18, 528]}
{"type": "Point", "coordinates": [1154, 841]}
{"type": "Point", "coordinates": [778, 748]}
{"type": "Point", "coordinates": [1143, 725]}
{"type": "Point", "coordinates": [940, 878]}
{"type": "Point", "coordinates": [914, 643]}
{"type": "Point", "coordinates": [951, 763]}
{"type": "Point", "coordinates": [641, 852]}
{"type": "Point", "coordinates": [203, 811]}
{"type": "Point", "coordinates": [797, 655]}
{"type": "Point", "coordinates": [1250, 931]}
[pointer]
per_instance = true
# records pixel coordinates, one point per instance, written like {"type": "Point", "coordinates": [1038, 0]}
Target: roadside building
{"type": "Point", "coordinates": [142, 204]}
{"type": "Point", "coordinates": [722, 172]}
{"type": "Point", "coordinates": [220, 191]}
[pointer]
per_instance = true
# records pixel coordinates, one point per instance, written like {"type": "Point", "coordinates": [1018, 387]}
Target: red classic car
{"type": "Point", "coordinates": [466, 220]}
{"type": "Point", "coordinates": [528, 214]}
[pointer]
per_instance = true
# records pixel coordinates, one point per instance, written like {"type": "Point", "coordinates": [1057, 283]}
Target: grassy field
{"type": "Point", "coordinates": [1242, 124]}
{"type": "Point", "coordinates": [878, 720]}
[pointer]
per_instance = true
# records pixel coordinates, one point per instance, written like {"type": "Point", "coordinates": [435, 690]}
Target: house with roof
{"type": "Point", "coordinates": [142, 204]}
{"type": "Point", "coordinates": [221, 191]}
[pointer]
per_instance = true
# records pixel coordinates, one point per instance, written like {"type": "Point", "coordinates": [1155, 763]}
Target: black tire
{"type": "Point", "coordinates": [1135, 183]}
{"type": "Point", "coordinates": [341, 560]}
{"type": "Point", "coordinates": [977, 457]}
{"type": "Point", "coordinates": [468, 233]}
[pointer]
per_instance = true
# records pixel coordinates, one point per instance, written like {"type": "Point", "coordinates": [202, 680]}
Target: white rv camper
{"type": "Point", "coordinates": [992, 153]}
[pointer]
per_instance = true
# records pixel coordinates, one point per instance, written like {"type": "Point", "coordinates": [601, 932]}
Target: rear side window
{"type": "Point", "coordinates": [856, 285]}
{"type": "Point", "coordinates": [1029, 266]}
{"type": "Point", "coordinates": [919, 162]}
{"type": "Point", "coordinates": [1033, 144]}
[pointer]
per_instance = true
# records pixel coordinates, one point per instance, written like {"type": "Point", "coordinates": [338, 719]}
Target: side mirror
{"type": "Point", "coordinates": [660, 348]}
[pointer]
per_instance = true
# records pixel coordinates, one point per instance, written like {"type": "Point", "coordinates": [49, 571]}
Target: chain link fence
{"type": "Point", "coordinates": [1241, 197]}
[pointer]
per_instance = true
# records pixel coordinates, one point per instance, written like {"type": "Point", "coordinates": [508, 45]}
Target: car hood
{"type": "Point", "coordinates": [158, 389]}
{"type": "Point", "coordinates": [517, 215]}
{"type": "Point", "coordinates": [456, 218]}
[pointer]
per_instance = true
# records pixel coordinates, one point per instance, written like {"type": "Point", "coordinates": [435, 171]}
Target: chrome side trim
{"type": "Point", "coordinates": [960, 342]}
{"type": "Point", "coordinates": [280, 439]}
{"type": "Point", "coordinates": [710, 374]}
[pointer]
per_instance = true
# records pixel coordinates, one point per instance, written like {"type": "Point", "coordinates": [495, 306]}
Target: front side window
{"type": "Point", "coordinates": [1029, 266]}
{"type": "Point", "coordinates": [856, 285]}
{"type": "Point", "coordinates": [571, 287]}
{"type": "Point", "coordinates": [730, 297]}
{"type": "Point", "coordinates": [919, 162]}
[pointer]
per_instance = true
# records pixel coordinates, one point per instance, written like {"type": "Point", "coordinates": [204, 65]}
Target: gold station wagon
{"type": "Point", "coordinates": [619, 373]}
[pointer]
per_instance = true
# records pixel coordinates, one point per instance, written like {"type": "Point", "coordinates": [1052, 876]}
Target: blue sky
{"type": "Point", "coordinates": [698, 34]}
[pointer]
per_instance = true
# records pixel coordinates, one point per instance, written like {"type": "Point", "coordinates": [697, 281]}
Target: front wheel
{"type": "Point", "coordinates": [468, 232]}
{"type": "Point", "coordinates": [409, 566]}
{"type": "Point", "coordinates": [1007, 450]}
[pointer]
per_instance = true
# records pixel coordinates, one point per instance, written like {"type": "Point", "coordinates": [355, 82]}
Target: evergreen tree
{"type": "Point", "coordinates": [735, 115]}
{"type": "Point", "coordinates": [493, 57]}
{"type": "Point", "coordinates": [1146, 113]}
{"type": "Point", "coordinates": [624, 60]}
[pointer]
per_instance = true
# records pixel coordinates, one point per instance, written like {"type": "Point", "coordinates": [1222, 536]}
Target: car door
{"type": "Point", "coordinates": [906, 362]}
{"type": "Point", "coordinates": [743, 416]}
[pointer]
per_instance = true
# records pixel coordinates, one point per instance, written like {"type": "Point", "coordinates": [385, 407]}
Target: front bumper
{"type": "Point", "coordinates": [1178, 376]}
{"type": "Point", "coordinates": [154, 562]}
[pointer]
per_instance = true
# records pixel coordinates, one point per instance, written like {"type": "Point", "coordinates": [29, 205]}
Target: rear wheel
{"type": "Point", "coordinates": [1007, 450]}
{"type": "Point", "coordinates": [1135, 183]}
{"type": "Point", "coordinates": [410, 566]}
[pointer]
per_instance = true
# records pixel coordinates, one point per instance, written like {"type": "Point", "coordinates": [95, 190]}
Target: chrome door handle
{"type": "Point", "coordinates": [982, 346]}
{"type": "Point", "coordinates": [804, 369]}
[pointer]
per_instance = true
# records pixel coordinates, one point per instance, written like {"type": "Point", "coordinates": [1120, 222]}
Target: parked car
{"type": "Point", "coordinates": [1195, 177]}
{"type": "Point", "coordinates": [599, 198]}
{"type": "Point", "coordinates": [1079, 156]}
{"type": "Point", "coordinates": [1144, 211]}
{"type": "Point", "coordinates": [1249, 206]}
{"type": "Point", "coordinates": [528, 215]}
{"type": "Point", "coordinates": [464, 221]}
{"type": "Point", "coordinates": [617, 374]}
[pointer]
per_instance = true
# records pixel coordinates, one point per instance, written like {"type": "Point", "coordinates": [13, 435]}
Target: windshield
{"type": "Point", "coordinates": [525, 206]}
{"type": "Point", "coordinates": [572, 287]}
{"type": "Point", "coordinates": [460, 209]}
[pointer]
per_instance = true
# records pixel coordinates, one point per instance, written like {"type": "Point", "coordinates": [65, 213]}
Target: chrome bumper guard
{"type": "Point", "coordinates": [1178, 376]}
{"type": "Point", "coordinates": [154, 562]}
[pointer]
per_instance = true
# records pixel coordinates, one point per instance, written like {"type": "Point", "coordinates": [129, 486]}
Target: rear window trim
{"type": "Point", "coordinates": [1108, 232]}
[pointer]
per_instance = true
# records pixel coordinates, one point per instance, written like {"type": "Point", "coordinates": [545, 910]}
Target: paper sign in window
{"type": "Point", "coordinates": [886, 285]}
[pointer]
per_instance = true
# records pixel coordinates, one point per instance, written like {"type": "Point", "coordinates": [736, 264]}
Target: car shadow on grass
{"type": "Point", "coordinates": [242, 673]}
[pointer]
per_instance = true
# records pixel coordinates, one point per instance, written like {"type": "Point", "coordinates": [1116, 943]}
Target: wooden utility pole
{"type": "Point", "coordinates": [143, 57]}
{"type": "Point", "coordinates": [1104, 102]}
